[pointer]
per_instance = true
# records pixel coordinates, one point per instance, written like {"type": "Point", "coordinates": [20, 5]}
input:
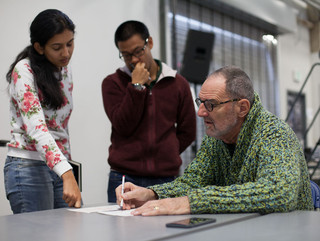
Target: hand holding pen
{"type": "Point", "coordinates": [133, 196]}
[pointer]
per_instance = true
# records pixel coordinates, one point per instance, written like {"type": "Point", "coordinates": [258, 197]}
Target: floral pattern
{"type": "Point", "coordinates": [267, 172]}
{"type": "Point", "coordinates": [34, 127]}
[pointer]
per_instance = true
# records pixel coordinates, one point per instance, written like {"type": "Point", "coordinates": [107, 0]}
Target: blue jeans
{"type": "Point", "coordinates": [115, 179]}
{"type": "Point", "coordinates": [32, 186]}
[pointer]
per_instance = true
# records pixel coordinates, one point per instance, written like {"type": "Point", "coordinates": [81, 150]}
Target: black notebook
{"type": "Point", "coordinates": [77, 171]}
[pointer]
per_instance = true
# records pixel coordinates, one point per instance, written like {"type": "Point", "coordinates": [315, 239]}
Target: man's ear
{"type": "Point", "coordinates": [244, 107]}
{"type": "Point", "coordinates": [150, 42]}
{"type": "Point", "coordinates": [38, 48]}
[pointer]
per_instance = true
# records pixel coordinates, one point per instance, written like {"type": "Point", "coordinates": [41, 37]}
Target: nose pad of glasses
{"type": "Point", "coordinates": [202, 111]}
{"type": "Point", "coordinates": [135, 59]}
{"type": "Point", "coordinates": [203, 107]}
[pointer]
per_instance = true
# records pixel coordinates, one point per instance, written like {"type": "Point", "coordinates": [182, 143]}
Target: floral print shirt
{"type": "Point", "coordinates": [37, 132]}
{"type": "Point", "coordinates": [266, 173]}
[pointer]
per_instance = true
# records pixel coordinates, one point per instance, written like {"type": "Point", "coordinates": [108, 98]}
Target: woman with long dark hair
{"type": "Point", "coordinates": [37, 173]}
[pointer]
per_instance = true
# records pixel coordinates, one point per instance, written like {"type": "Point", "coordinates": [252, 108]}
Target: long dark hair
{"type": "Point", "coordinates": [45, 25]}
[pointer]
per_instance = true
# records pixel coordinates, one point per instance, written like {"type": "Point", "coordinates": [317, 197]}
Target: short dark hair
{"type": "Point", "coordinates": [129, 28]}
{"type": "Point", "coordinates": [238, 83]}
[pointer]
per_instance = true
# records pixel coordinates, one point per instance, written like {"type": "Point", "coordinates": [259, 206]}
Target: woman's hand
{"type": "Point", "coordinates": [71, 192]}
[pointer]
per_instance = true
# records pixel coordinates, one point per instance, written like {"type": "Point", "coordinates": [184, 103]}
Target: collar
{"type": "Point", "coordinates": [164, 71]}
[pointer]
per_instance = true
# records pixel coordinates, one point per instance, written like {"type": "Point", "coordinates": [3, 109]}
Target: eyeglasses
{"type": "Point", "coordinates": [209, 105]}
{"type": "Point", "coordinates": [137, 53]}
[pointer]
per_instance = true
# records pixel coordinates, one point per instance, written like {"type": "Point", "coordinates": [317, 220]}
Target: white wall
{"type": "Point", "coordinates": [294, 63]}
{"type": "Point", "coordinates": [95, 57]}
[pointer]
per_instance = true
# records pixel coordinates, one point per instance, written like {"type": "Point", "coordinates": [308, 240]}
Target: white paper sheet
{"type": "Point", "coordinates": [113, 210]}
{"type": "Point", "coordinates": [123, 213]}
{"type": "Point", "coordinates": [96, 209]}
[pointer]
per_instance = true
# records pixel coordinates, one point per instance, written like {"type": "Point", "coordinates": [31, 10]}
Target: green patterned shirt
{"type": "Point", "coordinates": [267, 172]}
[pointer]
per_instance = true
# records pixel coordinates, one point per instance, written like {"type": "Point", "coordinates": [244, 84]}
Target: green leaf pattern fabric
{"type": "Point", "coordinates": [267, 172]}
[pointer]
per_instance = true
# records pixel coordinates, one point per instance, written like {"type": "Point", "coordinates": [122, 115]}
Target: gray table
{"type": "Point", "coordinates": [293, 226]}
{"type": "Point", "coordinates": [62, 224]}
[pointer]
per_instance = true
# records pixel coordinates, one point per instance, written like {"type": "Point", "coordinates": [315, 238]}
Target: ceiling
{"type": "Point", "coordinates": [308, 11]}
{"type": "Point", "coordinates": [303, 4]}
{"type": "Point", "coordinates": [314, 3]}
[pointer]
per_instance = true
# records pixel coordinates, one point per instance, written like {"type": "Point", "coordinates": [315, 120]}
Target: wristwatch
{"type": "Point", "coordinates": [138, 86]}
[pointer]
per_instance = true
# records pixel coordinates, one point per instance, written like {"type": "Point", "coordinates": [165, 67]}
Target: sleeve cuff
{"type": "Point", "coordinates": [62, 167]}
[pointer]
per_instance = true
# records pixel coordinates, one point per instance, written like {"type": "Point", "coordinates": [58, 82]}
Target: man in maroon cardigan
{"type": "Point", "coordinates": [151, 110]}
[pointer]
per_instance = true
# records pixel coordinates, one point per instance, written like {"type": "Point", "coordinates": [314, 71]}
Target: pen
{"type": "Point", "coordinates": [122, 191]}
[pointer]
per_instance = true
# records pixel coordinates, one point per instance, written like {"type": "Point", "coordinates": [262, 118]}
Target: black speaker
{"type": "Point", "coordinates": [197, 56]}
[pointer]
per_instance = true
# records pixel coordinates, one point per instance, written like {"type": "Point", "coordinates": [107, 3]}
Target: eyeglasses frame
{"type": "Point", "coordinates": [199, 101]}
{"type": "Point", "coordinates": [133, 54]}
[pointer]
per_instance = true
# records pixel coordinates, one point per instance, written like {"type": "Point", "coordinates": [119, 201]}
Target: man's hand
{"type": "Point", "coordinates": [71, 192]}
{"type": "Point", "coordinates": [140, 74]}
{"type": "Point", "coordinates": [134, 196]}
{"type": "Point", "coordinates": [168, 206]}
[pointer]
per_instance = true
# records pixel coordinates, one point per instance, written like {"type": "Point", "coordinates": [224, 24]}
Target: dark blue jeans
{"type": "Point", "coordinates": [115, 179]}
{"type": "Point", "coordinates": [32, 186]}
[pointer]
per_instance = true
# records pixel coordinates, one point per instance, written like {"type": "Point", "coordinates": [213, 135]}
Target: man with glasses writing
{"type": "Point", "coordinates": [151, 111]}
{"type": "Point", "coordinates": [249, 161]}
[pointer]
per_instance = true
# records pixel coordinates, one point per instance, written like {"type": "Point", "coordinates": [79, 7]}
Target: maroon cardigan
{"type": "Point", "coordinates": [150, 128]}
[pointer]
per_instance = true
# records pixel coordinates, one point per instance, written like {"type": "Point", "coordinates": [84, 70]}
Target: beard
{"type": "Point", "coordinates": [223, 128]}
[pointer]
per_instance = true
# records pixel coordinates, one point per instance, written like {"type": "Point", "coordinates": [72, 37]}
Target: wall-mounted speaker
{"type": "Point", "coordinates": [197, 56]}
